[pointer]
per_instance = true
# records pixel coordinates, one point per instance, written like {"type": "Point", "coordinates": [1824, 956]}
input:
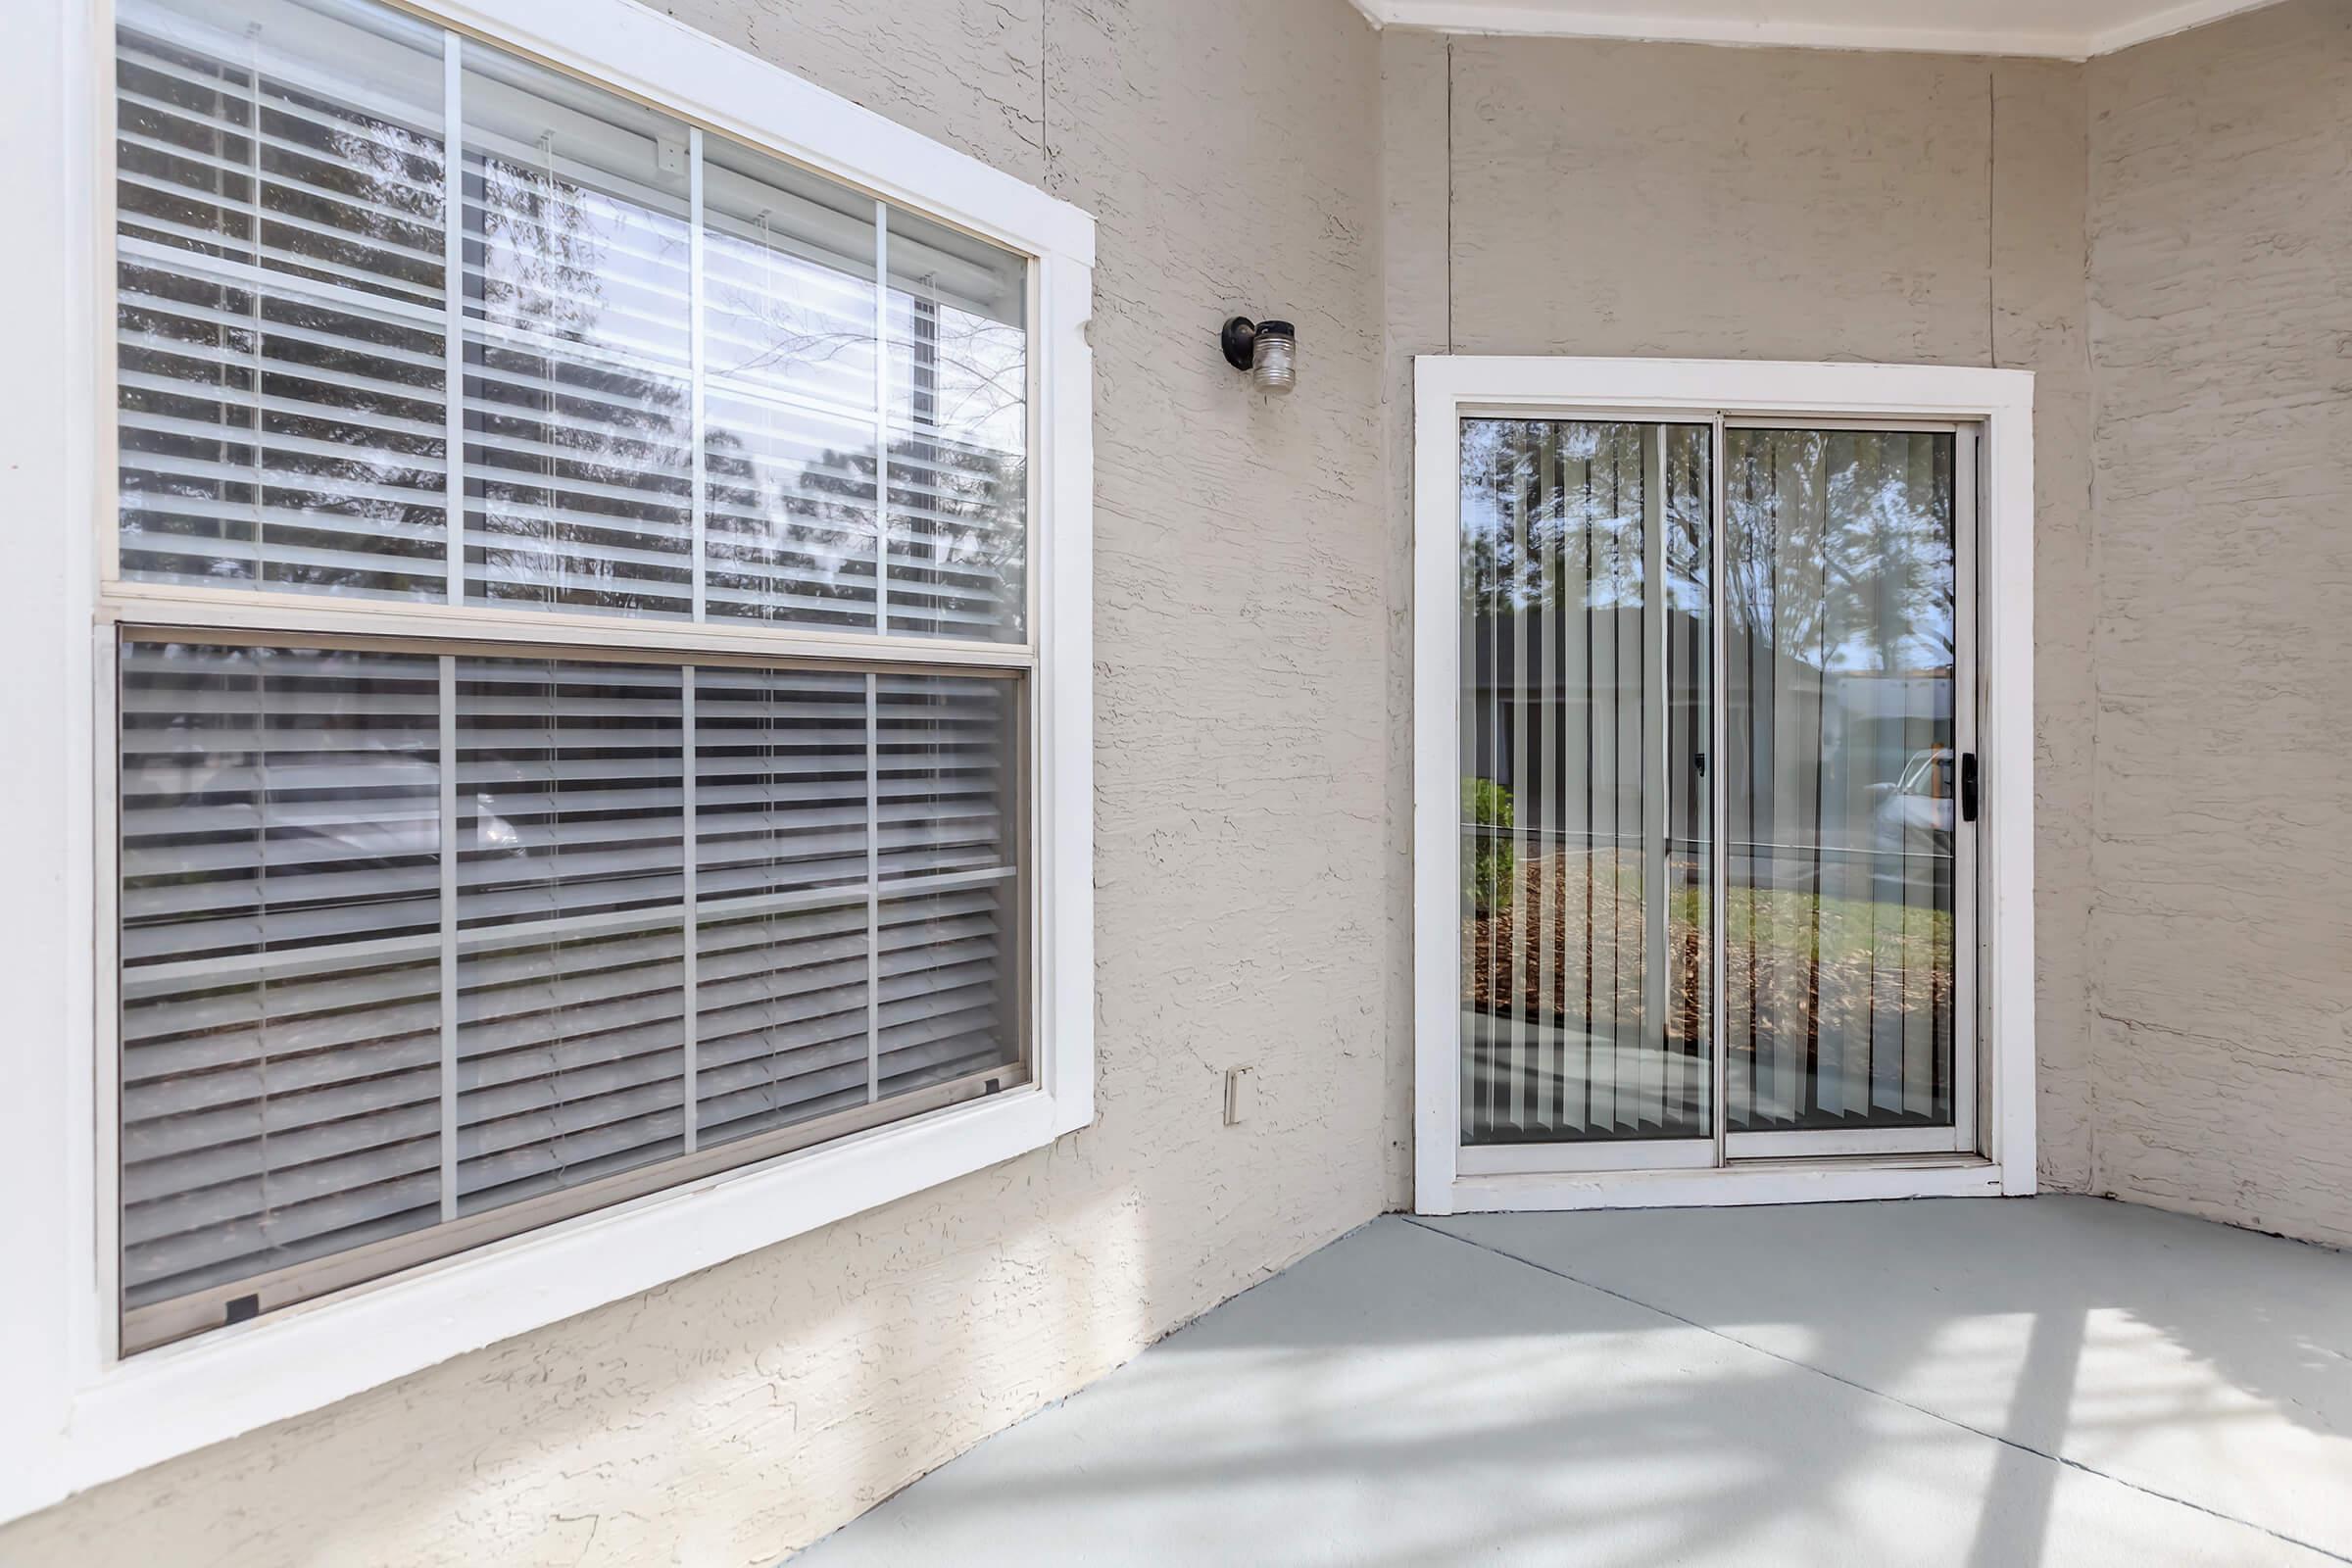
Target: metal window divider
{"type": "Point", "coordinates": [452, 300]}
{"type": "Point", "coordinates": [698, 511]}
{"type": "Point", "coordinates": [881, 417]}
{"type": "Point", "coordinates": [874, 890]}
{"type": "Point", "coordinates": [1718, 772]}
{"type": "Point", "coordinates": [697, 367]}
{"type": "Point", "coordinates": [690, 918]}
{"type": "Point", "coordinates": [1656, 710]}
{"type": "Point", "coordinates": [452, 529]}
{"type": "Point", "coordinates": [873, 722]}
{"type": "Point", "coordinates": [448, 665]}
{"type": "Point", "coordinates": [253, 141]}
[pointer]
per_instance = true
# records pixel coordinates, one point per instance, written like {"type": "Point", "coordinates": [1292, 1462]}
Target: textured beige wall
{"type": "Point", "coordinates": [1243, 868]}
{"type": "Point", "coordinates": [2221, 248]}
{"type": "Point", "coordinates": [1252, 643]}
{"type": "Point", "coordinates": [1653, 199]}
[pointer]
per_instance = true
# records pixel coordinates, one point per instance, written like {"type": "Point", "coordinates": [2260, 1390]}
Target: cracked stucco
{"type": "Point", "coordinates": [1253, 632]}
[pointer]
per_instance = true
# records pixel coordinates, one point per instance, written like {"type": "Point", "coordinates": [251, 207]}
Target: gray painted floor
{"type": "Point", "coordinates": [2049, 1381]}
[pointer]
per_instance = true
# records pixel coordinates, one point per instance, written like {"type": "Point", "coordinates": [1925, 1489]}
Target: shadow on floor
{"type": "Point", "coordinates": [2047, 1381]}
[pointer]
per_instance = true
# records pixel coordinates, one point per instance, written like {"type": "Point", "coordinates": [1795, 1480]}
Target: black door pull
{"type": "Point", "coordinates": [1968, 786]}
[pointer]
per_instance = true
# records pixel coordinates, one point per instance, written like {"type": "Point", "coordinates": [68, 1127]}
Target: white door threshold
{"type": "Point", "coordinates": [1777, 1181]}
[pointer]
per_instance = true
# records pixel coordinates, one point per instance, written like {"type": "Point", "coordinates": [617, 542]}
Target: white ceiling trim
{"type": "Point", "coordinates": [1545, 19]}
{"type": "Point", "coordinates": [2166, 20]}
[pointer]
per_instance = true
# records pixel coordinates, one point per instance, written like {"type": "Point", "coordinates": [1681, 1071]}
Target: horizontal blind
{"type": "Point", "coordinates": [948, 985]}
{"type": "Point", "coordinates": [782, 1019]}
{"type": "Point", "coordinates": [280, 1016]}
{"type": "Point", "coordinates": [290, 210]}
{"type": "Point", "coordinates": [280, 285]}
{"type": "Point", "coordinates": [791, 526]}
{"type": "Point", "coordinates": [283, 838]}
{"type": "Point", "coordinates": [422, 943]}
{"type": "Point", "coordinates": [578, 413]}
{"type": "Point", "coordinates": [570, 1045]}
{"type": "Point", "coordinates": [957, 438]}
{"type": "Point", "coordinates": [946, 759]}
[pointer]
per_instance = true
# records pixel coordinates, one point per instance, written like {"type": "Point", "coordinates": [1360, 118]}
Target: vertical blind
{"type": "Point", "coordinates": [1585, 846]}
{"type": "Point", "coordinates": [1586, 710]}
{"type": "Point", "coordinates": [426, 940]}
{"type": "Point", "coordinates": [1842, 949]}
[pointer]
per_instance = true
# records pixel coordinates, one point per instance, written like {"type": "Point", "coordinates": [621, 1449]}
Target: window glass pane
{"type": "Point", "coordinates": [780, 781]}
{"type": "Point", "coordinates": [579, 398]}
{"type": "Point", "coordinates": [950, 986]}
{"type": "Point", "coordinates": [958, 434]}
{"type": "Point", "coordinates": [1840, 944]}
{"type": "Point", "coordinates": [575, 212]}
{"type": "Point", "coordinates": [684, 907]}
{"type": "Point", "coordinates": [280, 356]}
{"type": "Point", "coordinates": [578, 484]}
{"type": "Point", "coordinates": [783, 1018]}
{"type": "Point", "coordinates": [788, 280]}
{"type": "Point", "coordinates": [671, 395]}
{"type": "Point", "coordinates": [280, 986]}
{"type": "Point", "coordinates": [945, 774]}
{"type": "Point", "coordinates": [300, 136]}
{"type": "Point", "coordinates": [572, 982]}
{"type": "Point", "coordinates": [1585, 836]}
{"type": "Point", "coordinates": [790, 401]}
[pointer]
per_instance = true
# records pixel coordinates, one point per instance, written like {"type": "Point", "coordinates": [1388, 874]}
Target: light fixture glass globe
{"type": "Point", "coordinates": [1273, 366]}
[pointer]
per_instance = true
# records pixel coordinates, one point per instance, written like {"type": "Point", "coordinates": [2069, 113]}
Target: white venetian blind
{"type": "Point", "coordinates": [281, 344]}
{"type": "Point", "coordinates": [428, 939]}
{"type": "Point", "coordinates": [691, 380]}
{"type": "Point", "coordinates": [958, 436]}
{"type": "Point", "coordinates": [580, 418]}
{"type": "Point", "coordinates": [357, 1004]}
{"type": "Point", "coordinates": [280, 998]}
{"type": "Point", "coordinates": [572, 990]}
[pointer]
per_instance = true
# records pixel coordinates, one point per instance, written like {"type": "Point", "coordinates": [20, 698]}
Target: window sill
{"type": "Point", "coordinates": [200, 1391]}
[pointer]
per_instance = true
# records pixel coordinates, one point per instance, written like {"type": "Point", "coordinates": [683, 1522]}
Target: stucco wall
{"type": "Point", "coordinates": [1252, 639]}
{"type": "Point", "coordinates": [1242, 868]}
{"type": "Point", "coordinates": [2221, 252]}
{"type": "Point", "coordinates": [1567, 196]}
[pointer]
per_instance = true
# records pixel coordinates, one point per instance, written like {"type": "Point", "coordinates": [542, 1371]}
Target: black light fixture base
{"type": "Point", "coordinates": [1238, 339]}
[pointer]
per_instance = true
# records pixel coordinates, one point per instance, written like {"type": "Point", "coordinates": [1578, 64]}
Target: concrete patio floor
{"type": "Point", "coordinates": [2056, 1381]}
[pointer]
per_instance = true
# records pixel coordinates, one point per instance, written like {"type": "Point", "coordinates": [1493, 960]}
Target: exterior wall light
{"type": "Point", "coordinates": [1267, 350]}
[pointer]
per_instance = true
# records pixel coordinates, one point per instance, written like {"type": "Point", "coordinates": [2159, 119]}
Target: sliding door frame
{"type": "Point", "coordinates": [1959, 1138]}
{"type": "Point", "coordinates": [1993, 1148]}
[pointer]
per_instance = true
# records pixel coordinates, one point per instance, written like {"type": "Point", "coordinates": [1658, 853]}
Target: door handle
{"type": "Point", "coordinates": [1968, 786]}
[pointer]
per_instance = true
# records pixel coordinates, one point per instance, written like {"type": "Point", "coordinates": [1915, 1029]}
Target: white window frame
{"type": "Point", "coordinates": [79, 1413]}
{"type": "Point", "coordinates": [1446, 387]}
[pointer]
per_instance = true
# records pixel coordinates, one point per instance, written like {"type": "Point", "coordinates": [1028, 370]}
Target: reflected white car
{"type": "Point", "coordinates": [404, 823]}
{"type": "Point", "coordinates": [1914, 816]}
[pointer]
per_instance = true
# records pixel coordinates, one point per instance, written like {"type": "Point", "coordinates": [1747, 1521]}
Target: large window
{"type": "Point", "coordinates": [574, 699]}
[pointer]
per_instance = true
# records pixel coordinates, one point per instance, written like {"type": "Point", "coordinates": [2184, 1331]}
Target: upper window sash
{"type": "Point", "coordinates": [689, 382]}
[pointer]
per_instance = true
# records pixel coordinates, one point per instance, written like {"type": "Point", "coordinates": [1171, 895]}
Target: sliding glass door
{"type": "Point", "coordinates": [1665, 626]}
{"type": "Point", "coordinates": [1586, 843]}
{"type": "Point", "coordinates": [1844, 739]}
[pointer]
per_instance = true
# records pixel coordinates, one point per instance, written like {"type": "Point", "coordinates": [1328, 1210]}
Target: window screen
{"type": "Point", "coordinates": [611, 880]}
